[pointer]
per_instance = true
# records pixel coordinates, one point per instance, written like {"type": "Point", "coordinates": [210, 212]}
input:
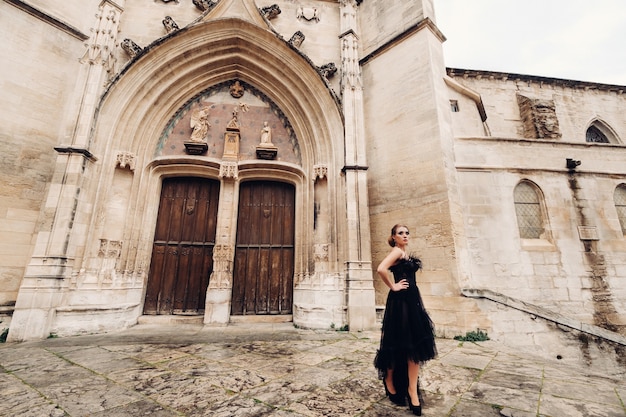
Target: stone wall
{"type": "Point", "coordinates": [38, 74]}
{"type": "Point", "coordinates": [578, 268]}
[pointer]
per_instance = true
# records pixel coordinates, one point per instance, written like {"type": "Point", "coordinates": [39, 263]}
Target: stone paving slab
{"type": "Point", "coordinates": [276, 370]}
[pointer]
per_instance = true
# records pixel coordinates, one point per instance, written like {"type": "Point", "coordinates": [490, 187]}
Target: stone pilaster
{"type": "Point", "coordinates": [53, 261]}
{"type": "Point", "coordinates": [360, 286]}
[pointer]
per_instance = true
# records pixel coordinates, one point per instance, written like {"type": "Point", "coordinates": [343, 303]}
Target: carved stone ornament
{"type": "Point", "coordinates": [321, 252]}
{"type": "Point", "coordinates": [229, 169]}
{"type": "Point", "coordinates": [223, 252]}
{"type": "Point", "coordinates": [170, 25]}
{"type": "Point", "coordinates": [320, 172]}
{"type": "Point", "coordinates": [270, 12]}
{"type": "Point", "coordinates": [297, 39]}
{"type": "Point", "coordinates": [308, 13]}
{"type": "Point", "coordinates": [131, 48]}
{"type": "Point", "coordinates": [328, 70]}
{"type": "Point", "coordinates": [126, 159]}
{"type": "Point", "coordinates": [205, 5]}
{"type": "Point", "coordinates": [237, 90]}
{"type": "Point", "coordinates": [110, 248]}
{"type": "Point", "coordinates": [539, 118]}
{"type": "Point", "coordinates": [222, 270]}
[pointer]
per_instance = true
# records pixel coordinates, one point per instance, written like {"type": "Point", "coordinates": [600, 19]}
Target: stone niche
{"type": "Point", "coordinates": [538, 118]}
{"type": "Point", "coordinates": [255, 113]}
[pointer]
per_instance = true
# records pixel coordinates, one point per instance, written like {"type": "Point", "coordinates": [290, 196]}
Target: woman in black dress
{"type": "Point", "coordinates": [407, 338]}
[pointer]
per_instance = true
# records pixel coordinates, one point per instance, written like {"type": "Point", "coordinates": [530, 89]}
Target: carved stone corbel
{"type": "Point", "coordinates": [270, 12]}
{"type": "Point", "coordinates": [131, 48]}
{"type": "Point", "coordinates": [229, 169]}
{"type": "Point", "coordinates": [328, 70]}
{"type": "Point", "coordinates": [170, 25]}
{"type": "Point", "coordinates": [320, 171]}
{"type": "Point", "coordinates": [205, 5]}
{"type": "Point", "coordinates": [297, 39]}
{"type": "Point", "coordinates": [125, 159]}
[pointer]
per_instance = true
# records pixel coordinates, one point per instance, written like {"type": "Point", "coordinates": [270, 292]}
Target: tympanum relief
{"type": "Point", "coordinates": [230, 122]}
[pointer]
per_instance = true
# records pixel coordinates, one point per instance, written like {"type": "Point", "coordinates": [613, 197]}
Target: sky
{"type": "Point", "coordinates": [578, 40]}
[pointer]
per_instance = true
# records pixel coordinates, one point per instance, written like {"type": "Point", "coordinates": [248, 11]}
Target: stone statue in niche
{"type": "Point", "coordinates": [539, 118]}
{"type": "Point", "coordinates": [237, 90]}
{"type": "Point", "coordinates": [169, 24]}
{"type": "Point", "coordinates": [308, 13]}
{"type": "Point", "coordinates": [266, 135]}
{"type": "Point", "coordinates": [297, 39]}
{"type": "Point", "coordinates": [131, 48]}
{"type": "Point", "coordinates": [266, 149]}
{"type": "Point", "coordinates": [197, 145]}
{"type": "Point", "coordinates": [200, 124]}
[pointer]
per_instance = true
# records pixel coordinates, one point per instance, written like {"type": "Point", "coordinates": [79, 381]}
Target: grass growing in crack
{"type": "Point", "coordinates": [473, 336]}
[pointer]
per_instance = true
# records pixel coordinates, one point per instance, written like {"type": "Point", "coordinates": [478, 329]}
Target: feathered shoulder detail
{"type": "Point", "coordinates": [417, 262]}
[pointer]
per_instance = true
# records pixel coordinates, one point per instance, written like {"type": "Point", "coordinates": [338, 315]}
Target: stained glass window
{"type": "Point", "coordinates": [528, 210]}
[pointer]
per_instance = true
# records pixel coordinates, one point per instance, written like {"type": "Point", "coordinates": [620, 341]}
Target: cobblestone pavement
{"type": "Point", "coordinates": [279, 371]}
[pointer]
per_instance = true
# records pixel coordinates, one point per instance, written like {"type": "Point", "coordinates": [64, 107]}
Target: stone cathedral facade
{"type": "Point", "coordinates": [214, 161]}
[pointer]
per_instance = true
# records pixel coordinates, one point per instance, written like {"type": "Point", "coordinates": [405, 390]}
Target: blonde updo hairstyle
{"type": "Point", "coordinates": [394, 229]}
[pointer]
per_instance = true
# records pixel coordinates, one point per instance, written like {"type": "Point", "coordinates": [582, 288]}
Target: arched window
{"type": "Point", "coordinates": [529, 211]}
{"type": "Point", "coordinates": [595, 135]}
{"type": "Point", "coordinates": [600, 132]}
{"type": "Point", "coordinates": [620, 205]}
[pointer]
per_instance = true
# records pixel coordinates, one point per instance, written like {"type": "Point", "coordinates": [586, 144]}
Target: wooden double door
{"type": "Point", "coordinates": [182, 252]}
{"type": "Point", "coordinates": [264, 253]}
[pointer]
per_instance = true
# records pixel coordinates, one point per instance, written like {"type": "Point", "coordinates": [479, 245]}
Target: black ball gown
{"type": "Point", "coordinates": [408, 332]}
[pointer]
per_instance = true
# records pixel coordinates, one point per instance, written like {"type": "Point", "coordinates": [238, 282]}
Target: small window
{"type": "Point", "coordinates": [528, 210]}
{"type": "Point", "coordinates": [594, 135]}
{"type": "Point", "coordinates": [620, 205]}
{"type": "Point", "coordinates": [454, 105]}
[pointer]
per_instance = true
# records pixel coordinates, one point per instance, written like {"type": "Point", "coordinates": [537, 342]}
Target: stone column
{"type": "Point", "coordinates": [52, 263]}
{"type": "Point", "coordinates": [219, 293]}
{"type": "Point", "coordinates": [360, 285]}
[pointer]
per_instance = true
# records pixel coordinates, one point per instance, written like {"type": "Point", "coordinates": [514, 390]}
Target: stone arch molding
{"type": "Point", "coordinates": [139, 103]}
{"type": "Point", "coordinates": [605, 128]}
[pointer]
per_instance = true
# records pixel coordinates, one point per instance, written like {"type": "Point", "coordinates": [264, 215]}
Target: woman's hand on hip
{"type": "Point", "coordinates": [400, 285]}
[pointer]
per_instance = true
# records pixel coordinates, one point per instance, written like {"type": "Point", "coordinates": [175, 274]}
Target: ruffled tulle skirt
{"type": "Point", "coordinates": [407, 334]}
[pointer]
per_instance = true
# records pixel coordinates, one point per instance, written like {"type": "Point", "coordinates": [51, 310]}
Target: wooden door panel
{"type": "Point", "coordinates": [154, 285]}
{"type": "Point", "coordinates": [182, 279]}
{"type": "Point", "coordinates": [263, 272]}
{"type": "Point", "coordinates": [182, 257]}
{"type": "Point", "coordinates": [250, 292]}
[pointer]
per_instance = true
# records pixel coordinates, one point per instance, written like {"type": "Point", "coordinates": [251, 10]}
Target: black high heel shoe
{"type": "Point", "coordinates": [396, 398]}
{"type": "Point", "coordinates": [415, 409]}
